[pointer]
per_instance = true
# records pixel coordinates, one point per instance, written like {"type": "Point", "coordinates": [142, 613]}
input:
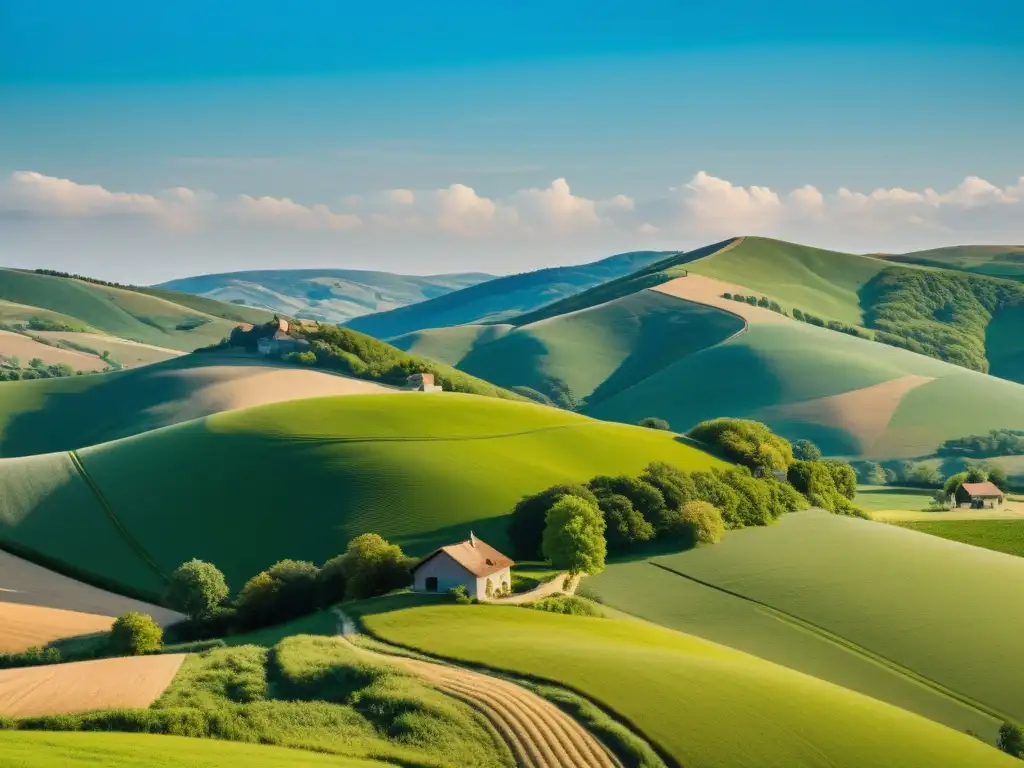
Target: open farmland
{"type": "Point", "coordinates": [38, 606]}
{"type": "Point", "coordinates": [81, 686]}
{"type": "Point", "coordinates": [851, 577]}
{"type": "Point", "coordinates": [127, 353]}
{"type": "Point", "coordinates": [647, 591]}
{"type": "Point", "coordinates": [300, 479]}
{"type": "Point", "coordinates": [998, 535]}
{"type": "Point", "coordinates": [27, 749]}
{"type": "Point", "coordinates": [703, 705]}
{"type": "Point", "coordinates": [25, 348]}
{"type": "Point", "coordinates": [48, 415]}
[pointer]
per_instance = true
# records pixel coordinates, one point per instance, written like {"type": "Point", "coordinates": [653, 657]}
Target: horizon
{"type": "Point", "coordinates": [140, 146]}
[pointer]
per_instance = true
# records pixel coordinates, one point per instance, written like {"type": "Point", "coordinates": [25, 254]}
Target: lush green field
{"type": "Point", "coordinates": [998, 535]}
{"type": "Point", "coordinates": [331, 295]}
{"type": "Point", "coordinates": [876, 498]}
{"type": "Point", "coordinates": [503, 297]}
{"type": "Point", "coordinates": [24, 749]}
{"type": "Point", "coordinates": [652, 593]}
{"type": "Point", "coordinates": [246, 488]}
{"type": "Point", "coordinates": [942, 610]}
{"type": "Point", "coordinates": [704, 705]}
{"type": "Point", "coordinates": [824, 283]}
{"type": "Point", "coordinates": [152, 319]}
{"type": "Point", "coordinates": [312, 693]}
{"type": "Point", "coordinates": [593, 353]}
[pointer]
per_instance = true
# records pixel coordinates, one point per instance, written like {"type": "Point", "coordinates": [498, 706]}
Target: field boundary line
{"type": "Point", "coordinates": [848, 645]}
{"type": "Point", "coordinates": [327, 439]}
{"type": "Point", "coordinates": [101, 499]}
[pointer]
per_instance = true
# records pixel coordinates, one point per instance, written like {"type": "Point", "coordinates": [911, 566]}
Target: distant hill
{"type": "Point", "coordinates": [1005, 261]}
{"type": "Point", "coordinates": [504, 297]}
{"type": "Point", "coordinates": [330, 295]}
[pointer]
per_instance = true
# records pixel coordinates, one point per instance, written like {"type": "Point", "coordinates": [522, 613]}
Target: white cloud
{"type": "Point", "coordinates": [716, 206]}
{"type": "Point", "coordinates": [402, 196]}
{"type": "Point", "coordinates": [555, 208]}
{"type": "Point", "coordinates": [462, 211]}
{"type": "Point", "coordinates": [37, 193]}
{"type": "Point", "coordinates": [284, 210]}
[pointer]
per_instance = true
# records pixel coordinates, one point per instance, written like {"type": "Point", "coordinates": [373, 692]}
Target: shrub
{"type": "Point", "coordinates": [528, 518]}
{"type": "Point", "coordinates": [574, 536]}
{"type": "Point", "coordinates": [1011, 740]}
{"type": "Point", "coordinates": [331, 582]}
{"type": "Point", "coordinates": [652, 423]}
{"type": "Point", "coordinates": [843, 476]}
{"type": "Point", "coordinates": [135, 634]}
{"type": "Point", "coordinates": [569, 605]}
{"type": "Point", "coordinates": [460, 595]}
{"type": "Point", "coordinates": [817, 480]}
{"type": "Point", "coordinates": [286, 590]}
{"type": "Point", "coordinates": [196, 588]}
{"type": "Point", "coordinates": [699, 523]}
{"type": "Point", "coordinates": [675, 485]}
{"type": "Point", "coordinates": [302, 358]}
{"type": "Point", "coordinates": [371, 566]}
{"type": "Point", "coordinates": [30, 657]}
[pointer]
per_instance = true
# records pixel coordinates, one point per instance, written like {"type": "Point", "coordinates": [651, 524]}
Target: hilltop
{"type": "Point", "coordinates": [299, 479]}
{"type": "Point", "coordinates": [503, 297]}
{"type": "Point", "coordinates": [992, 260]}
{"type": "Point", "coordinates": [330, 295]}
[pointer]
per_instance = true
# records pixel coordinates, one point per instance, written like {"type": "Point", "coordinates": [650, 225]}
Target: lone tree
{"type": "Point", "coordinates": [196, 588]}
{"type": "Point", "coordinates": [1011, 740]}
{"type": "Point", "coordinates": [653, 423]}
{"type": "Point", "coordinates": [574, 536]}
{"type": "Point", "coordinates": [805, 450]}
{"type": "Point", "coordinates": [135, 634]}
{"type": "Point", "coordinates": [371, 566]}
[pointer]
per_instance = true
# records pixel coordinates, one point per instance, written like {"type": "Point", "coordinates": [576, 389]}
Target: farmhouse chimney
{"type": "Point", "coordinates": [472, 540]}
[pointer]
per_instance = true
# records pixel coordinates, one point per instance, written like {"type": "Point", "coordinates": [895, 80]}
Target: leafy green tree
{"type": "Point", "coordinates": [1011, 740]}
{"type": "Point", "coordinates": [331, 582]}
{"type": "Point", "coordinates": [710, 487]}
{"type": "Point", "coordinates": [625, 526]}
{"type": "Point", "coordinates": [698, 522]}
{"type": "Point", "coordinates": [805, 450]}
{"type": "Point", "coordinates": [676, 485]}
{"type": "Point", "coordinates": [998, 477]}
{"type": "Point", "coordinates": [528, 518]}
{"type": "Point", "coordinates": [976, 475]}
{"type": "Point", "coordinates": [574, 536]}
{"type": "Point", "coordinates": [953, 482]}
{"type": "Point", "coordinates": [135, 634]}
{"type": "Point", "coordinates": [871, 473]}
{"type": "Point", "coordinates": [748, 442]}
{"type": "Point", "coordinates": [645, 498]}
{"type": "Point", "coordinates": [372, 566]}
{"type": "Point", "coordinates": [843, 476]}
{"type": "Point", "coordinates": [652, 423]}
{"type": "Point", "coordinates": [37, 363]}
{"type": "Point", "coordinates": [196, 588]}
{"type": "Point", "coordinates": [287, 589]}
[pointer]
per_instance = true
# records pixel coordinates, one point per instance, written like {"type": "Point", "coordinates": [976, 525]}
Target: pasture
{"type": "Point", "coordinates": [998, 535]}
{"type": "Point", "coordinates": [939, 609]}
{"type": "Point", "coordinates": [703, 705]}
{"type": "Point", "coordinates": [28, 749]}
{"type": "Point", "coordinates": [300, 479]}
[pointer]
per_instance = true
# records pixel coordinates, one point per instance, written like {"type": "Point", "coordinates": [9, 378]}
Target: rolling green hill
{"type": "Point", "coordinates": [703, 705]}
{"type": "Point", "coordinates": [868, 606]}
{"type": "Point", "coordinates": [246, 488]}
{"type": "Point", "coordinates": [992, 260]}
{"type": "Point", "coordinates": [503, 297]}
{"type": "Point", "coordinates": [161, 318]}
{"type": "Point", "coordinates": [330, 295]}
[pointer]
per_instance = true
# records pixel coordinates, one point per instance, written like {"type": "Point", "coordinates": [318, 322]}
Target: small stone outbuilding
{"type": "Point", "coordinates": [470, 563]}
{"type": "Point", "coordinates": [422, 382]}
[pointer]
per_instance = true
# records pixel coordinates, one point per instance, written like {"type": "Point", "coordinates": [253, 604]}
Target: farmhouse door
{"type": "Point", "coordinates": [431, 583]}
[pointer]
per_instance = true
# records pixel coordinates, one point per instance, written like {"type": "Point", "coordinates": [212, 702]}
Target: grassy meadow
{"type": "Point", "coordinates": [701, 704]}
{"type": "Point", "coordinates": [850, 577]}
{"type": "Point", "coordinates": [26, 749]}
{"type": "Point", "coordinates": [998, 535]}
{"type": "Point", "coordinates": [300, 479]}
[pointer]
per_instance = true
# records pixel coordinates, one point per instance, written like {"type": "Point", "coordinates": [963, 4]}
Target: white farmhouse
{"type": "Point", "coordinates": [470, 563]}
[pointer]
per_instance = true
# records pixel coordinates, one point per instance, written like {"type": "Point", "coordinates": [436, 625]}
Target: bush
{"type": "Point", "coordinates": [644, 497]}
{"type": "Point", "coordinates": [750, 443]}
{"type": "Point", "coordinates": [569, 605]}
{"type": "Point", "coordinates": [699, 523]}
{"type": "Point", "coordinates": [371, 566]}
{"type": "Point", "coordinates": [1011, 740]}
{"type": "Point", "coordinates": [574, 536]}
{"type": "Point", "coordinates": [135, 634]}
{"type": "Point", "coordinates": [31, 657]}
{"type": "Point", "coordinates": [652, 423]}
{"type": "Point", "coordinates": [461, 596]}
{"type": "Point", "coordinates": [528, 518]}
{"type": "Point", "coordinates": [196, 588]}
{"type": "Point", "coordinates": [675, 485]}
{"type": "Point", "coordinates": [286, 590]}
{"type": "Point", "coordinates": [817, 480]}
{"type": "Point", "coordinates": [625, 526]}
{"type": "Point", "coordinates": [805, 450]}
{"type": "Point", "coordinates": [843, 476]}
{"type": "Point", "coordinates": [331, 582]}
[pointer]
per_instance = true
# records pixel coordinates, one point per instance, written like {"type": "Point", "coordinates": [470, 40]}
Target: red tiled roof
{"type": "Point", "coordinates": [245, 327]}
{"type": "Point", "coordinates": [981, 489]}
{"type": "Point", "coordinates": [475, 556]}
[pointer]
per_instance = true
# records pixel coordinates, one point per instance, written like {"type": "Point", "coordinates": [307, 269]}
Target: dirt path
{"type": "Point", "coordinates": [538, 733]}
{"type": "Point", "coordinates": [126, 683]}
{"type": "Point", "coordinates": [548, 588]}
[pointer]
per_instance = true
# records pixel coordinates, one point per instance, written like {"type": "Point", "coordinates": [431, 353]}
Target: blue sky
{"type": "Point", "coordinates": [333, 105]}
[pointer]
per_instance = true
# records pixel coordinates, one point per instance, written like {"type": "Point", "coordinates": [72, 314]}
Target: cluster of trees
{"type": "Point", "coordinates": [290, 588]}
{"type": "Point", "coordinates": [11, 370]}
{"type": "Point", "coordinates": [37, 324]}
{"type": "Point", "coordinates": [998, 442]}
{"type": "Point", "coordinates": [84, 279]}
{"type": "Point", "coordinates": [754, 301]}
{"type": "Point", "coordinates": [940, 314]}
{"type": "Point", "coordinates": [922, 475]}
{"type": "Point", "coordinates": [746, 442]}
{"type": "Point", "coordinates": [654, 423]}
